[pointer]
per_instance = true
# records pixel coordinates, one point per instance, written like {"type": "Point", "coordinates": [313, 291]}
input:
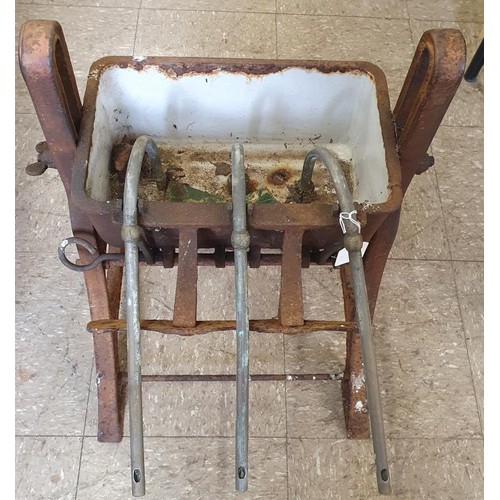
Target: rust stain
{"type": "Point", "coordinates": [279, 176]}
{"type": "Point", "coordinates": [222, 168]}
{"type": "Point", "coordinates": [120, 155]}
{"type": "Point", "coordinates": [175, 68]}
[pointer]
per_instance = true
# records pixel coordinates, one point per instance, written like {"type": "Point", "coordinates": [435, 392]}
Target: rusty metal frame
{"type": "Point", "coordinates": [433, 78]}
{"type": "Point", "coordinates": [46, 68]}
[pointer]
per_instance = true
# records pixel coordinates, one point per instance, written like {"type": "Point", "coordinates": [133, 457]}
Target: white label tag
{"type": "Point", "coordinates": [343, 255]}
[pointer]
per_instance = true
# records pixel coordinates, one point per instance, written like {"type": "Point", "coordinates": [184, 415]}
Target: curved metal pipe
{"type": "Point", "coordinates": [131, 236]}
{"type": "Point", "coordinates": [353, 242]}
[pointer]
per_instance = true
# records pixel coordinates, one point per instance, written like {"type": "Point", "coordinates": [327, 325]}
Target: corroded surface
{"type": "Point", "coordinates": [439, 467]}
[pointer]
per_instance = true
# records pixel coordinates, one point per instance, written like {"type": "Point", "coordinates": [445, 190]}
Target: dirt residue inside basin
{"type": "Point", "coordinates": [202, 173]}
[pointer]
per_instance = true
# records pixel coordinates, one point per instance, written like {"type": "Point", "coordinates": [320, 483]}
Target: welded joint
{"type": "Point", "coordinates": [353, 242]}
{"type": "Point", "coordinates": [131, 233]}
{"type": "Point", "coordinates": [240, 240]}
{"type": "Point", "coordinates": [305, 189]}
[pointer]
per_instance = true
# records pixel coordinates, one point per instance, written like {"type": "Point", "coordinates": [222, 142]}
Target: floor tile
{"type": "Point", "coordinates": [187, 468]}
{"type": "Point", "coordinates": [322, 293]}
{"type": "Point", "coordinates": [459, 167]}
{"type": "Point", "coordinates": [213, 353]}
{"type": "Point", "coordinates": [199, 409]}
{"type": "Point", "coordinates": [318, 352]}
{"type": "Point", "coordinates": [91, 3]}
{"type": "Point", "coordinates": [214, 5]}
{"type": "Point", "coordinates": [422, 360]}
{"type": "Point", "coordinates": [314, 409]}
{"type": "Point", "coordinates": [41, 216]}
{"type": "Point", "coordinates": [386, 43]}
{"type": "Point", "coordinates": [467, 107]}
{"type": "Point", "coordinates": [422, 232]}
{"type": "Point", "coordinates": [90, 32]}
{"type": "Point", "coordinates": [419, 468]}
{"type": "Point", "coordinates": [469, 277]}
{"type": "Point", "coordinates": [53, 349]}
{"type": "Point", "coordinates": [448, 10]}
{"type": "Point", "coordinates": [47, 467]}
{"type": "Point", "coordinates": [423, 364]}
{"type": "Point", "coordinates": [205, 34]}
{"type": "Point", "coordinates": [358, 8]}
{"type": "Point", "coordinates": [473, 32]}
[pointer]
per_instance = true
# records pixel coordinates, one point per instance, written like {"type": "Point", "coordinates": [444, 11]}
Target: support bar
{"type": "Point", "coordinates": [291, 304]}
{"type": "Point", "coordinates": [240, 241]}
{"type": "Point", "coordinates": [167, 327]}
{"type": "Point", "coordinates": [256, 377]}
{"type": "Point", "coordinates": [186, 291]}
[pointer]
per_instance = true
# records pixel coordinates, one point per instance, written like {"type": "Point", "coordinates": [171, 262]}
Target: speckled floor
{"type": "Point", "coordinates": [428, 324]}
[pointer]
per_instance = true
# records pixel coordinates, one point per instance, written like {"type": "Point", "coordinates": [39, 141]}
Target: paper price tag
{"type": "Point", "coordinates": [343, 255]}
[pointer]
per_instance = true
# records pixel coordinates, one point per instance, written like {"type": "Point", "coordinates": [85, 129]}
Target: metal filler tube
{"type": "Point", "coordinates": [353, 242]}
{"type": "Point", "coordinates": [131, 235]}
{"type": "Point", "coordinates": [240, 241]}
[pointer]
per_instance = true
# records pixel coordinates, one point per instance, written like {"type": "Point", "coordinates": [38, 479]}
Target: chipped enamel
{"type": "Point", "coordinates": [298, 107]}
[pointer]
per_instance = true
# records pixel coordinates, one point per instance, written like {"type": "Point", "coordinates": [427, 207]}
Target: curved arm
{"type": "Point", "coordinates": [332, 164]}
{"type": "Point", "coordinates": [131, 235]}
{"type": "Point", "coordinates": [346, 204]}
{"type": "Point", "coordinates": [143, 145]}
{"type": "Point", "coordinates": [353, 242]}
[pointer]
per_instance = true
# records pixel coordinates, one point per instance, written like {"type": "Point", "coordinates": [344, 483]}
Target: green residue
{"type": "Point", "coordinates": [183, 192]}
{"type": "Point", "coordinates": [176, 191]}
{"type": "Point", "coordinates": [261, 196]}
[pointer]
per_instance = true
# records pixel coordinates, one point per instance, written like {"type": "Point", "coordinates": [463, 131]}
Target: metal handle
{"type": "Point", "coordinates": [430, 85]}
{"type": "Point", "coordinates": [47, 70]}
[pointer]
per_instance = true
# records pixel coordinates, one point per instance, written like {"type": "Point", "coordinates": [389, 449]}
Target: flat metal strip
{"type": "Point", "coordinates": [291, 305]}
{"type": "Point", "coordinates": [187, 279]}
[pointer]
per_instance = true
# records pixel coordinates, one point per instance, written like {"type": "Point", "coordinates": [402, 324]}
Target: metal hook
{"type": "Point", "coordinates": [61, 251]}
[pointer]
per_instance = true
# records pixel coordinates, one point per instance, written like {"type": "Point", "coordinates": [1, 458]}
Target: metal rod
{"type": "Point", "coordinates": [240, 241]}
{"type": "Point", "coordinates": [256, 377]}
{"type": "Point", "coordinates": [273, 325]}
{"type": "Point", "coordinates": [206, 259]}
{"type": "Point", "coordinates": [370, 366]}
{"type": "Point", "coordinates": [353, 242]}
{"type": "Point", "coordinates": [476, 64]}
{"type": "Point", "coordinates": [131, 236]}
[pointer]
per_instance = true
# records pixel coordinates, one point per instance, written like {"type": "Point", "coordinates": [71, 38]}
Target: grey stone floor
{"type": "Point", "coordinates": [428, 324]}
